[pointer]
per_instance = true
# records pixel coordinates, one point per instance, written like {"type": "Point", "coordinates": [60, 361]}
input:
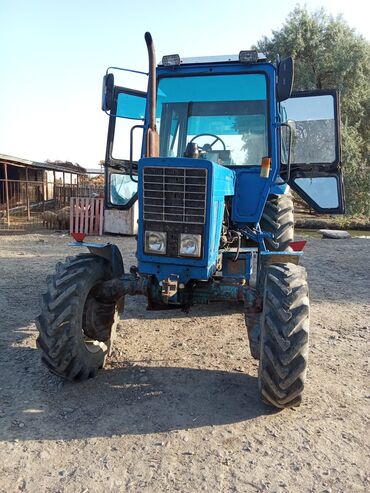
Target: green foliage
{"type": "Point", "coordinates": [328, 54]}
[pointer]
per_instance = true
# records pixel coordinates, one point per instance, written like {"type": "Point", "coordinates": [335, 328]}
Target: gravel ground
{"type": "Point", "coordinates": [177, 408]}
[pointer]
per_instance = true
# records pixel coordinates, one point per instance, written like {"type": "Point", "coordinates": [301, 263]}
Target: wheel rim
{"type": "Point", "coordinates": [97, 321]}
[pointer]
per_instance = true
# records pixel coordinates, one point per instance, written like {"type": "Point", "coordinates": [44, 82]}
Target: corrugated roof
{"type": "Point", "coordinates": [51, 166]}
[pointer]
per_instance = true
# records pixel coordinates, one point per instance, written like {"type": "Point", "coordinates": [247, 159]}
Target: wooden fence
{"type": "Point", "coordinates": [23, 204]}
{"type": "Point", "coordinates": [87, 216]}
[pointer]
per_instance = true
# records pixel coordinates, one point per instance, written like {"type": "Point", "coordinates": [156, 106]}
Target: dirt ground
{"type": "Point", "coordinates": [177, 409]}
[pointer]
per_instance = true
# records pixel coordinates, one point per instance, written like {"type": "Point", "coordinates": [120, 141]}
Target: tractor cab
{"type": "Point", "coordinates": [235, 111]}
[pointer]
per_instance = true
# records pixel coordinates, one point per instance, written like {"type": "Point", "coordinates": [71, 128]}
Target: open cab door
{"type": "Point", "coordinates": [126, 109]}
{"type": "Point", "coordinates": [314, 170]}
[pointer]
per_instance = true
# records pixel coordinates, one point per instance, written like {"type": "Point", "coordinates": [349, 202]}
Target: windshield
{"type": "Point", "coordinates": [226, 115]}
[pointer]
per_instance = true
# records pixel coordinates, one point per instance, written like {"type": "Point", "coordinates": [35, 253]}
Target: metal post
{"type": "Point", "coordinates": [55, 189]}
{"type": "Point", "coordinates": [27, 198]}
{"type": "Point", "coordinates": [7, 194]}
{"type": "Point", "coordinates": [44, 189]}
{"type": "Point", "coordinates": [64, 189]}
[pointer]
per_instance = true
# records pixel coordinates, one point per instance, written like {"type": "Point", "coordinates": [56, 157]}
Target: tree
{"type": "Point", "coordinates": [329, 54]}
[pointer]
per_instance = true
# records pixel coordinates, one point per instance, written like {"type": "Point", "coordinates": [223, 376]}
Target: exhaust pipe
{"type": "Point", "coordinates": [152, 137]}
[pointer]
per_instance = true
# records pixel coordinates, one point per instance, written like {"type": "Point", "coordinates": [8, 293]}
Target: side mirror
{"type": "Point", "coordinates": [107, 92]}
{"type": "Point", "coordinates": [285, 79]}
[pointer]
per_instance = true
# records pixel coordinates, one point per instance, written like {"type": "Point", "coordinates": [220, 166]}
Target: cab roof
{"type": "Point", "coordinates": [210, 59]}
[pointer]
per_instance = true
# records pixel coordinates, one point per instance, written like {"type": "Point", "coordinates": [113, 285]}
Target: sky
{"type": "Point", "coordinates": [54, 54]}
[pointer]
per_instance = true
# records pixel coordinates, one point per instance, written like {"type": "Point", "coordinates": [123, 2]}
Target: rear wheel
{"type": "Point", "coordinates": [278, 219]}
{"type": "Point", "coordinates": [76, 325]}
{"type": "Point", "coordinates": [284, 336]}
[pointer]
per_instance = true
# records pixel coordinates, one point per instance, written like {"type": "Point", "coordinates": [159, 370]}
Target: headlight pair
{"type": "Point", "coordinates": [156, 242]}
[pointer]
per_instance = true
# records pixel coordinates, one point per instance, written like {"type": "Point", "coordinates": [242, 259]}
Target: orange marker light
{"type": "Point", "coordinates": [265, 167]}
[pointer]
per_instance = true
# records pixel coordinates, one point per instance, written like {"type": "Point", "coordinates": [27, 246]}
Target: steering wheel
{"type": "Point", "coordinates": [208, 147]}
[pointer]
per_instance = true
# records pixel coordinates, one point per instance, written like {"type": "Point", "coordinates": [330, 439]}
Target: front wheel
{"type": "Point", "coordinates": [284, 336]}
{"type": "Point", "coordinates": [76, 325]}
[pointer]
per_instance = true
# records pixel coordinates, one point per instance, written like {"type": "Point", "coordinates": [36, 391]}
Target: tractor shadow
{"type": "Point", "coordinates": [135, 308]}
{"type": "Point", "coordinates": [120, 401]}
{"type": "Point", "coordinates": [125, 399]}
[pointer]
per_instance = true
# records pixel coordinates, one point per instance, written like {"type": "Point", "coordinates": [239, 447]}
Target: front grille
{"type": "Point", "coordinates": [176, 195]}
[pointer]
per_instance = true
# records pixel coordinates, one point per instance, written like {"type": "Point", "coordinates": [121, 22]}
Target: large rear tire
{"type": "Point", "coordinates": [76, 325]}
{"type": "Point", "coordinates": [278, 219]}
{"type": "Point", "coordinates": [284, 336]}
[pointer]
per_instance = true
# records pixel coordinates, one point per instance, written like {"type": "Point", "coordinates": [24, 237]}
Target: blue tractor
{"type": "Point", "coordinates": [222, 142]}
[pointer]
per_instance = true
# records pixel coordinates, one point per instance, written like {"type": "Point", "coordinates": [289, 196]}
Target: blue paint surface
{"type": "Point", "coordinates": [280, 189]}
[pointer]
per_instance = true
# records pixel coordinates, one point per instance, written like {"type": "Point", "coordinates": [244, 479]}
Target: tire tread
{"type": "Point", "coordinates": [278, 219]}
{"type": "Point", "coordinates": [284, 336]}
{"type": "Point", "coordinates": [59, 323]}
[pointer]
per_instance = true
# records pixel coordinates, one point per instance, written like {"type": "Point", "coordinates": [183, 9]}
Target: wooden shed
{"type": "Point", "coordinates": [29, 188]}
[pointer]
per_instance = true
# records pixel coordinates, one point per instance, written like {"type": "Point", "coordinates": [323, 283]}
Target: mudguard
{"type": "Point", "coordinates": [108, 251]}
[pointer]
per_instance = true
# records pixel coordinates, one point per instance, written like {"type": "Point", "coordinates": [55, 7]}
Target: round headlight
{"type": "Point", "coordinates": [155, 242]}
{"type": "Point", "coordinates": [190, 245]}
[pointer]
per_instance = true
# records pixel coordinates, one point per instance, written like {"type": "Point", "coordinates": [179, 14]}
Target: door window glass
{"type": "Point", "coordinates": [130, 106]}
{"type": "Point", "coordinates": [314, 130]}
{"type": "Point", "coordinates": [121, 142]}
{"type": "Point", "coordinates": [323, 190]}
{"type": "Point", "coordinates": [122, 189]}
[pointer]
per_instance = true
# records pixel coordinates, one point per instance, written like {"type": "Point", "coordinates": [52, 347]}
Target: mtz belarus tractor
{"type": "Point", "coordinates": [223, 141]}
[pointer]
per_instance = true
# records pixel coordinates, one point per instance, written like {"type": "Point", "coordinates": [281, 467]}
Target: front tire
{"type": "Point", "coordinates": [284, 336]}
{"type": "Point", "coordinates": [76, 325]}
